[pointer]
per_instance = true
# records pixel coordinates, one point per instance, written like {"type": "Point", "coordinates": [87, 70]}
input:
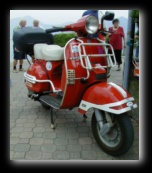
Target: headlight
{"type": "Point", "coordinates": [91, 24]}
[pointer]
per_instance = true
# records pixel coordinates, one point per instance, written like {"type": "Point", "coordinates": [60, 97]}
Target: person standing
{"type": "Point", "coordinates": [137, 46]}
{"type": "Point", "coordinates": [17, 54]}
{"type": "Point", "coordinates": [36, 23]}
{"type": "Point", "coordinates": [115, 39]}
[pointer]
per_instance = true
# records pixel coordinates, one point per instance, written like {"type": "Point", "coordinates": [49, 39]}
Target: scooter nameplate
{"type": "Point", "coordinates": [29, 84]}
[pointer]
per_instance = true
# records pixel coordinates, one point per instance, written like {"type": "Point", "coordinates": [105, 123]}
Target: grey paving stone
{"type": "Point", "coordinates": [61, 147]}
{"type": "Point", "coordinates": [72, 135]}
{"type": "Point", "coordinates": [96, 147]}
{"type": "Point", "coordinates": [60, 141]}
{"type": "Point", "coordinates": [72, 129]}
{"type": "Point", "coordinates": [74, 148]}
{"type": "Point", "coordinates": [60, 135]}
{"type": "Point", "coordinates": [48, 141]}
{"type": "Point", "coordinates": [14, 140]}
{"type": "Point", "coordinates": [29, 125]}
{"type": "Point", "coordinates": [15, 134]}
{"type": "Point", "coordinates": [60, 120]}
{"type": "Point", "coordinates": [33, 155]}
{"type": "Point", "coordinates": [24, 141]}
{"type": "Point", "coordinates": [49, 135]}
{"type": "Point", "coordinates": [30, 121]}
{"type": "Point", "coordinates": [39, 129]}
{"type": "Point", "coordinates": [87, 147]}
{"type": "Point", "coordinates": [21, 120]}
{"type": "Point", "coordinates": [12, 125]}
{"type": "Point", "coordinates": [28, 129]}
{"type": "Point", "coordinates": [38, 134]}
{"type": "Point", "coordinates": [26, 135]}
{"type": "Point", "coordinates": [88, 155]}
{"type": "Point", "coordinates": [83, 129]}
{"type": "Point", "coordinates": [83, 135]}
{"type": "Point", "coordinates": [22, 147]}
{"type": "Point", "coordinates": [17, 129]}
{"type": "Point", "coordinates": [48, 148]}
{"type": "Point", "coordinates": [60, 129]}
{"type": "Point", "coordinates": [32, 117]}
{"type": "Point", "coordinates": [19, 125]}
{"type": "Point", "coordinates": [73, 141]}
{"type": "Point", "coordinates": [19, 155]}
{"type": "Point", "coordinates": [12, 147]}
{"type": "Point", "coordinates": [40, 125]}
{"type": "Point", "coordinates": [61, 155]}
{"type": "Point", "coordinates": [75, 156]}
{"type": "Point", "coordinates": [36, 141]}
{"type": "Point", "coordinates": [40, 121]}
{"type": "Point", "coordinates": [71, 124]}
{"type": "Point", "coordinates": [35, 148]}
{"type": "Point", "coordinates": [11, 155]}
{"type": "Point", "coordinates": [85, 140]}
{"type": "Point", "coordinates": [47, 156]}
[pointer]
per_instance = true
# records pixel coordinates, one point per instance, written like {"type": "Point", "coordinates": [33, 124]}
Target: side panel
{"type": "Point", "coordinates": [72, 92]}
{"type": "Point", "coordinates": [37, 71]}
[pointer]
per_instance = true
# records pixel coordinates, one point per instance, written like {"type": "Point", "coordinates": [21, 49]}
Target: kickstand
{"type": "Point", "coordinates": [52, 120]}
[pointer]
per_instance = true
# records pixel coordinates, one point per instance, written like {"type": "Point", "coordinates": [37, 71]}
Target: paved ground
{"type": "Point", "coordinates": [31, 137]}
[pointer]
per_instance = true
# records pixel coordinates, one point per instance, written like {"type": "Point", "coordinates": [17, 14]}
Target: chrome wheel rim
{"type": "Point", "coordinates": [112, 138]}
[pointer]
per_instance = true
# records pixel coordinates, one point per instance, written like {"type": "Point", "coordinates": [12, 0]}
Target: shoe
{"type": "Point", "coordinates": [118, 69]}
{"type": "Point", "coordinates": [15, 71]}
{"type": "Point", "coordinates": [22, 69]}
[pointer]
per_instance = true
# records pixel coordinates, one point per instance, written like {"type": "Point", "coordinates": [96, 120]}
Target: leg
{"type": "Point", "coordinates": [118, 58]}
{"type": "Point", "coordinates": [22, 57]}
{"type": "Point", "coordinates": [15, 62]}
{"type": "Point", "coordinates": [84, 117]}
{"type": "Point", "coordinates": [52, 120]}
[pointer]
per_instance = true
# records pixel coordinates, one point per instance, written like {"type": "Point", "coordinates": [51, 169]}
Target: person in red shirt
{"type": "Point", "coordinates": [115, 39]}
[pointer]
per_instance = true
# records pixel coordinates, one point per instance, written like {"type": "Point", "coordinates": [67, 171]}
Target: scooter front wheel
{"type": "Point", "coordinates": [119, 138]}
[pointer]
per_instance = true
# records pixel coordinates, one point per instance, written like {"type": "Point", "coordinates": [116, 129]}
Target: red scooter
{"type": "Point", "coordinates": [76, 76]}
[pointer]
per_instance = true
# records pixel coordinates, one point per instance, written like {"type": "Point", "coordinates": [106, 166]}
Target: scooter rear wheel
{"type": "Point", "coordinates": [120, 138]}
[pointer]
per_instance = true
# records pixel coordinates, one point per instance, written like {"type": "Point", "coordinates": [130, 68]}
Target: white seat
{"type": "Point", "coordinates": [48, 52]}
{"type": "Point", "coordinates": [38, 51]}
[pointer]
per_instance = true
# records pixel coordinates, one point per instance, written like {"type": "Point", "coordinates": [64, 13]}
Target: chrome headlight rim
{"type": "Point", "coordinates": [87, 25]}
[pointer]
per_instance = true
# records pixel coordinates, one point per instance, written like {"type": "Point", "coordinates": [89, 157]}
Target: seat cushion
{"type": "Point", "coordinates": [53, 52]}
{"type": "Point", "coordinates": [48, 52]}
{"type": "Point", "coordinates": [38, 50]}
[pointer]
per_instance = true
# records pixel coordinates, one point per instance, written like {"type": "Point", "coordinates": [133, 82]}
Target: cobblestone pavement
{"type": "Point", "coordinates": [31, 136]}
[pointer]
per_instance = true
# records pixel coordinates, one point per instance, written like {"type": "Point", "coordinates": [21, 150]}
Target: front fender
{"type": "Point", "coordinates": [108, 97]}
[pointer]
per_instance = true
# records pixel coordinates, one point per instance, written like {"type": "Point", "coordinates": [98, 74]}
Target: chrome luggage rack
{"type": "Point", "coordinates": [87, 57]}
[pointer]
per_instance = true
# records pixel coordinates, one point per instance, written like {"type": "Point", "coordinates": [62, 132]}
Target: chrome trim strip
{"type": "Point", "coordinates": [108, 107]}
{"type": "Point", "coordinates": [33, 80]}
{"type": "Point", "coordinates": [123, 93]}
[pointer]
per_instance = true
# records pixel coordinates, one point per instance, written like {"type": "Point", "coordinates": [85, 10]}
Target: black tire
{"type": "Point", "coordinates": [126, 135]}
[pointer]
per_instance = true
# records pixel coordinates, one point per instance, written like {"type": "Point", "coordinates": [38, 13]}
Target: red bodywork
{"type": "Point", "coordinates": [94, 90]}
{"type": "Point", "coordinates": [72, 93]}
{"type": "Point", "coordinates": [102, 94]}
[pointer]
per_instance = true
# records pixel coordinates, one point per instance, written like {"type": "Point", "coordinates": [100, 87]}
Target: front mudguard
{"type": "Point", "coordinates": [108, 97]}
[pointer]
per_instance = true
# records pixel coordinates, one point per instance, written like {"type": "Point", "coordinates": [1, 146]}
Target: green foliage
{"type": "Point", "coordinates": [135, 15]}
{"type": "Point", "coordinates": [63, 38]}
{"type": "Point", "coordinates": [107, 38]}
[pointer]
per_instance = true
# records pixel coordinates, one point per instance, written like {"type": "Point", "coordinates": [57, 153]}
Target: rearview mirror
{"type": "Point", "coordinates": [108, 16]}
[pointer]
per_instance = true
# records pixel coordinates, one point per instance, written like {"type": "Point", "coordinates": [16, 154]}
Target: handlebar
{"type": "Point", "coordinates": [54, 30]}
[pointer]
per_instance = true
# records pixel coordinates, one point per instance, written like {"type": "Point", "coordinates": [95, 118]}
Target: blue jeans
{"type": "Point", "coordinates": [137, 52]}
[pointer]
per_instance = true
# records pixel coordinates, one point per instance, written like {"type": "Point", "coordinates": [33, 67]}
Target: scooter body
{"type": "Point", "coordinates": [76, 76]}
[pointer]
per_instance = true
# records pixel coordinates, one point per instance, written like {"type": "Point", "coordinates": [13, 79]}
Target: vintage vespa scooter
{"type": "Point", "coordinates": [76, 76]}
